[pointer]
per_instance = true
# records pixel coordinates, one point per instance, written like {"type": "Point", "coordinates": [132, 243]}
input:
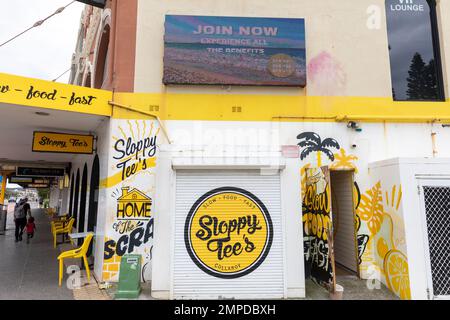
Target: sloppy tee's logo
{"type": "Point", "coordinates": [228, 232]}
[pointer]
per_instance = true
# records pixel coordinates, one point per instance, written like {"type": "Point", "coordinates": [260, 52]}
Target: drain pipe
{"type": "Point", "coordinates": [145, 113]}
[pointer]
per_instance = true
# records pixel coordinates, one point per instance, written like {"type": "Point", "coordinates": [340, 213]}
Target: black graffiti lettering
{"type": "Point", "coordinates": [254, 225]}
{"type": "Point", "coordinates": [4, 89]}
{"type": "Point", "coordinates": [241, 224]}
{"type": "Point", "coordinates": [124, 226]}
{"type": "Point", "coordinates": [148, 231]}
{"type": "Point", "coordinates": [34, 94]}
{"type": "Point", "coordinates": [127, 171]}
{"type": "Point", "coordinates": [83, 100]}
{"type": "Point", "coordinates": [119, 150]}
{"type": "Point", "coordinates": [237, 248]}
{"type": "Point", "coordinates": [109, 249]}
{"type": "Point", "coordinates": [130, 148]}
{"type": "Point", "coordinates": [135, 239]}
{"type": "Point", "coordinates": [249, 246]}
{"type": "Point", "coordinates": [121, 247]}
{"type": "Point", "coordinates": [128, 243]}
{"type": "Point", "coordinates": [251, 223]}
{"type": "Point", "coordinates": [144, 164]}
{"type": "Point", "coordinates": [224, 250]}
{"type": "Point", "coordinates": [205, 232]}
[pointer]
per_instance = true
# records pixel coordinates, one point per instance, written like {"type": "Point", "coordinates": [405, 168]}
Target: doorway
{"type": "Point", "coordinates": [83, 193]}
{"type": "Point", "coordinates": [435, 201]}
{"type": "Point", "coordinates": [344, 232]}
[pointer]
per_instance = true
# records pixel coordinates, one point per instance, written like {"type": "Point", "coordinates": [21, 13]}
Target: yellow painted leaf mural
{"type": "Point", "coordinates": [344, 161]}
{"type": "Point", "coordinates": [371, 208]}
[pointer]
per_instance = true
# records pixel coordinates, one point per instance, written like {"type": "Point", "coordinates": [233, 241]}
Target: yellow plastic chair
{"type": "Point", "coordinates": [60, 228]}
{"type": "Point", "coordinates": [76, 253]}
{"type": "Point", "coordinates": [51, 212]}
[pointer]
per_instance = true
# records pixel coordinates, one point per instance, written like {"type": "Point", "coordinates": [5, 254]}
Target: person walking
{"type": "Point", "coordinates": [31, 227]}
{"type": "Point", "coordinates": [21, 210]}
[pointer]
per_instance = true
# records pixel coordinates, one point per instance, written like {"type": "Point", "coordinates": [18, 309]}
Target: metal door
{"type": "Point", "coordinates": [435, 203]}
{"type": "Point", "coordinates": [194, 274]}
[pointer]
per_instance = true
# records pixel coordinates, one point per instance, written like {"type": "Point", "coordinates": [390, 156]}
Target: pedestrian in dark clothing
{"type": "Point", "coordinates": [21, 210]}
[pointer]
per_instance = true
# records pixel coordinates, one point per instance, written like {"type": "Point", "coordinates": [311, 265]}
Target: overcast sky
{"type": "Point", "coordinates": [43, 52]}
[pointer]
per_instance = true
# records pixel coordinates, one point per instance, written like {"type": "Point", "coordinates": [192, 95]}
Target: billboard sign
{"type": "Point", "coordinates": [234, 51]}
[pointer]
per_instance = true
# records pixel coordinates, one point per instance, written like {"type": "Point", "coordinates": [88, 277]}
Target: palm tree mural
{"type": "Point", "coordinates": [311, 142]}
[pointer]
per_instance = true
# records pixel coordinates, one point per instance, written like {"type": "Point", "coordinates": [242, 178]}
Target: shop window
{"type": "Point", "coordinates": [413, 37]}
{"type": "Point", "coordinates": [101, 66]}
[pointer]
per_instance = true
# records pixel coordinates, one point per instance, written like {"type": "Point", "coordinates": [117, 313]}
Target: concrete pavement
{"type": "Point", "coordinates": [30, 271]}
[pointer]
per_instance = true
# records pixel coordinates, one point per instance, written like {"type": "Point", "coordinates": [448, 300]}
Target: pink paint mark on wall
{"type": "Point", "coordinates": [326, 76]}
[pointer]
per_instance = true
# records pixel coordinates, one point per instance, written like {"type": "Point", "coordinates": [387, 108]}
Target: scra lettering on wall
{"type": "Point", "coordinates": [128, 243]}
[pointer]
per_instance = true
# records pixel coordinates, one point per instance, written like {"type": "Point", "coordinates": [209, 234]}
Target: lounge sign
{"type": "Point", "coordinates": [228, 232]}
{"type": "Point", "coordinates": [62, 143]}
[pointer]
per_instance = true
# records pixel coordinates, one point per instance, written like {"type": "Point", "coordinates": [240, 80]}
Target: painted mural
{"type": "Point", "coordinates": [380, 211]}
{"type": "Point", "coordinates": [317, 222]}
{"type": "Point", "coordinates": [131, 186]}
{"type": "Point", "coordinates": [378, 220]}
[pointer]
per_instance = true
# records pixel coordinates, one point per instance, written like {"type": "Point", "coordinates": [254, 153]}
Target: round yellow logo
{"type": "Point", "coordinates": [228, 232]}
{"type": "Point", "coordinates": [281, 65]}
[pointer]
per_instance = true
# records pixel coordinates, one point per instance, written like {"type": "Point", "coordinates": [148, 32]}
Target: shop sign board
{"type": "Point", "coordinates": [39, 172]}
{"type": "Point", "coordinates": [228, 232]}
{"type": "Point", "coordinates": [62, 143]}
{"type": "Point", "coordinates": [37, 185]}
{"type": "Point", "coordinates": [95, 3]}
{"type": "Point", "coordinates": [19, 180]}
{"type": "Point", "coordinates": [234, 51]}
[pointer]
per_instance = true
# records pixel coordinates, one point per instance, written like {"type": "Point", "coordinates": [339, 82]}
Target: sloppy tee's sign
{"type": "Point", "coordinates": [62, 143]}
{"type": "Point", "coordinates": [228, 232]}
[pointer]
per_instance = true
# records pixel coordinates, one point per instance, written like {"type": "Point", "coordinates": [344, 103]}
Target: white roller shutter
{"type": "Point", "coordinates": [189, 281]}
{"type": "Point", "coordinates": [344, 221]}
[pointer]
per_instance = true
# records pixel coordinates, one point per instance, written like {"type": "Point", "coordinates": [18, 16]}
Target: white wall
{"type": "Point", "coordinates": [335, 32]}
{"type": "Point", "coordinates": [408, 172]}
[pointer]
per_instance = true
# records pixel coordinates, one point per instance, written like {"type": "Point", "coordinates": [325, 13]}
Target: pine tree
{"type": "Point", "coordinates": [431, 86]}
{"type": "Point", "coordinates": [417, 78]}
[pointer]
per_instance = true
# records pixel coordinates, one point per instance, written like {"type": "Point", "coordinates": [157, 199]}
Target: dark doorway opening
{"type": "Point", "coordinates": [93, 198]}
{"type": "Point", "coordinates": [76, 197]}
{"type": "Point", "coordinates": [344, 232]}
{"type": "Point", "coordinates": [72, 186]}
{"type": "Point", "coordinates": [83, 201]}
